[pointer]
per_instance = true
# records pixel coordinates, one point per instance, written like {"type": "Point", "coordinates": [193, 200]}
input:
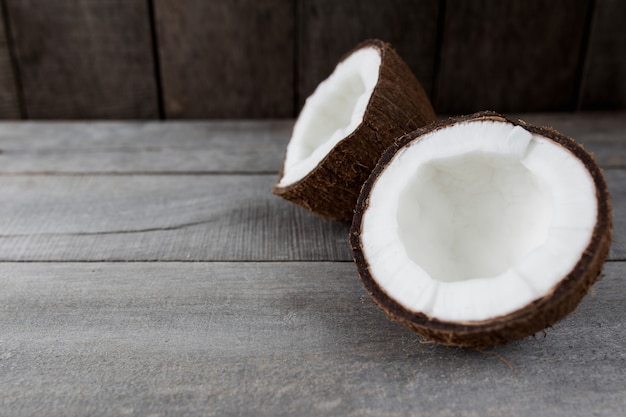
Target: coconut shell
{"type": "Point", "coordinates": [398, 105]}
{"type": "Point", "coordinates": [534, 317]}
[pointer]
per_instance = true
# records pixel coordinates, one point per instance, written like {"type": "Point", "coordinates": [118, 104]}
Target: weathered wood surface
{"type": "Point", "coordinates": [152, 59]}
{"type": "Point", "coordinates": [145, 213]}
{"type": "Point", "coordinates": [157, 217]}
{"type": "Point", "coordinates": [84, 59]}
{"type": "Point", "coordinates": [329, 29]}
{"type": "Point", "coordinates": [222, 146]}
{"type": "Point", "coordinates": [180, 218]}
{"type": "Point", "coordinates": [278, 339]}
{"type": "Point", "coordinates": [226, 59]}
{"type": "Point", "coordinates": [248, 305]}
{"type": "Point", "coordinates": [150, 147]}
{"type": "Point", "coordinates": [604, 84]}
{"type": "Point", "coordinates": [9, 87]}
{"type": "Point", "coordinates": [510, 55]}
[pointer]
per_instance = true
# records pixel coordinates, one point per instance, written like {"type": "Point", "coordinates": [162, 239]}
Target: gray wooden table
{"type": "Point", "coordinates": [147, 270]}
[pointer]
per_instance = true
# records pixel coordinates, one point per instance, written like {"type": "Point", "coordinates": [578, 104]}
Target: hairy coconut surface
{"type": "Point", "coordinates": [369, 100]}
{"type": "Point", "coordinates": [477, 231]}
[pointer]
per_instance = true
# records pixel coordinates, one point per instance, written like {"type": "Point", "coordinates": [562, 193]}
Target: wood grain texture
{"type": "Point", "coordinates": [9, 90]}
{"type": "Point", "coordinates": [84, 59]}
{"type": "Point", "coordinates": [269, 339]}
{"type": "Point", "coordinates": [180, 218]}
{"type": "Point", "coordinates": [604, 85]}
{"type": "Point", "coordinates": [226, 59]}
{"type": "Point", "coordinates": [328, 29]}
{"type": "Point", "coordinates": [510, 55]}
{"type": "Point", "coordinates": [278, 337]}
{"type": "Point", "coordinates": [159, 217]}
{"type": "Point", "coordinates": [143, 147]}
{"type": "Point", "coordinates": [222, 146]}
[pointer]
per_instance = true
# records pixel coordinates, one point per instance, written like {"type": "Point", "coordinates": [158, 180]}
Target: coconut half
{"type": "Point", "coordinates": [478, 230]}
{"type": "Point", "coordinates": [370, 99]}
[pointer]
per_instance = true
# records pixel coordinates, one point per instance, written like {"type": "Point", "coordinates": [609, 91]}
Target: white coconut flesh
{"type": "Point", "coordinates": [331, 113]}
{"type": "Point", "coordinates": [477, 220]}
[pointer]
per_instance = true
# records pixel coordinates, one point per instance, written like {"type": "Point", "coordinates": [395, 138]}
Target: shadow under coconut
{"type": "Point", "coordinates": [345, 353]}
{"type": "Point", "coordinates": [348, 324]}
{"type": "Point", "coordinates": [347, 320]}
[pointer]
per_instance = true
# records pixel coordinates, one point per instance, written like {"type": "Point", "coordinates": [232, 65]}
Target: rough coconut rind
{"type": "Point", "coordinates": [398, 105]}
{"type": "Point", "coordinates": [534, 317]}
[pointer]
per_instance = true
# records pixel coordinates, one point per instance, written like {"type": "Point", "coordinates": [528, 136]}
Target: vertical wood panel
{"type": "Point", "coordinates": [604, 85]}
{"type": "Point", "coordinates": [520, 55]}
{"type": "Point", "coordinates": [330, 28]}
{"type": "Point", "coordinates": [226, 59]}
{"type": "Point", "coordinates": [9, 99]}
{"type": "Point", "coordinates": [84, 58]}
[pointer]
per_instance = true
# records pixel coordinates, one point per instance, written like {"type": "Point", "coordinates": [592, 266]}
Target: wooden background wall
{"type": "Point", "coordinates": [146, 59]}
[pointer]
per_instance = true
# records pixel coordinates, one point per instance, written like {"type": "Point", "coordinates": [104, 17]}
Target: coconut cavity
{"type": "Point", "coordinates": [331, 113]}
{"type": "Point", "coordinates": [472, 216]}
{"type": "Point", "coordinates": [475, 221]}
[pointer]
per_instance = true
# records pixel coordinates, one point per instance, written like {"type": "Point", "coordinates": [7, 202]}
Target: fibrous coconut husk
{"type": "Point", "coordinates": [398, 105]}
{"type": "Point", "coordinates": [534, 317]}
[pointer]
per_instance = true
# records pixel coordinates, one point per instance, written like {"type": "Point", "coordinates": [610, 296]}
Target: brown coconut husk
{"type": "Point", "coordinates": [398, 105]}
{"type": "Point", "coordinates": [534, 317]}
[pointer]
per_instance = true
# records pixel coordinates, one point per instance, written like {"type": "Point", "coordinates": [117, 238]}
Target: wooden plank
{"type": "Point", "coordinates": [9, 96]}
{"type": "Point", "coordinates": [85, 59]}
{"type": "Point", "coordinates": [222, 146]}
{"type": "Point", "coordinates": [147, 147]}
{"type": "Point", "coordinates": [604, 84]}
{"type": "Point", "coordinates": [510, 56]}
{"type": "Point", "coordinates": [331, 28]}
{"type": "Point", "coordinates": [180, 218]}
{"type": "Point", "coordinates": [226, 59]}
{"type": "Point", "coordinates": [268, 339]}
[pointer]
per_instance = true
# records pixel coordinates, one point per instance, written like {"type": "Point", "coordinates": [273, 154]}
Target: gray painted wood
{"type": "Point", "coordinates": [510, 55]}
{"type": "Point", "coordinates": [159, 217]}
{"type": "Point", "coordinates": [604, 84]}
{"type": "Point", "coordinates": [329, 29]}
{"type": "Point", "coordinates": [9, 90]}
{"type": "Point", "coordinates": [245, 338]}
{"type": "Point", "coordinates": [143, 147]}
{"type": "Point", "coordinates": [279, 339]}
{"type": "Point", "coordinates": [222, 146]}
{"type": "Point", "coordinates": [226, 59]}
{"type": "Point", "coordinates": [84, 59]}
{"type": "Point", "coordinates": [180, 218]}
